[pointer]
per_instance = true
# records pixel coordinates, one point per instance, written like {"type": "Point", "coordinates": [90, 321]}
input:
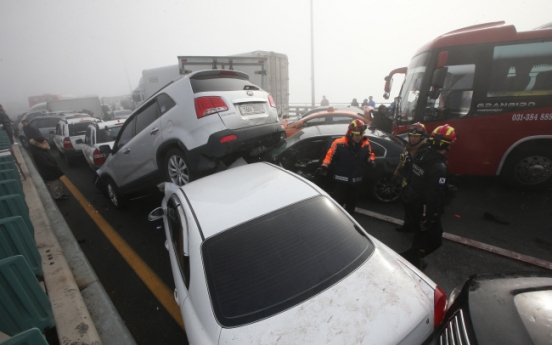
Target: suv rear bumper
{"type": "Point", "coordinates": [249, 142]}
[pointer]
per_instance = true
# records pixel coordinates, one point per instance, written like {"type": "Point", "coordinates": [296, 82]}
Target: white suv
{"type": "Point", "coordinates": [194, 126]}
{"type": "Point", "coordinates": [69, 135]}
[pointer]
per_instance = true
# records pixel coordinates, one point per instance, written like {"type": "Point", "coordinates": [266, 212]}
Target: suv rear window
{"type": "Point", "coordinates": [219, 83]}
{"type": "Point", "coordinates": [78, 128]}
{"type": "Point", "coordinates": [281, 259]}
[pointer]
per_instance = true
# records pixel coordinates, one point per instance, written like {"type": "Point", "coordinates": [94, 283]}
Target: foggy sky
{"type": "Point", "coordinates": [100, 47]}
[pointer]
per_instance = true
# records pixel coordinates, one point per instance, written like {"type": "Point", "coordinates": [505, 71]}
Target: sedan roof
{"type": "Point", "coordinates": [244, 193]}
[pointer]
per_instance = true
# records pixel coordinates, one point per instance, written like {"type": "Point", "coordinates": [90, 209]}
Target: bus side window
{"type": "Point", "coordinates": [521, 70]}
{"type": "Point", "coordinates": [455, 97]}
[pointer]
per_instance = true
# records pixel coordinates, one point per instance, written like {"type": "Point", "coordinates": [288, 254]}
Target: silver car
{"type": "Point", "coordinates": [195, 126]}
{"type": "Point", "coordinates": [68, 132]}
{"type": "Point", "coordinates": [46, 125]}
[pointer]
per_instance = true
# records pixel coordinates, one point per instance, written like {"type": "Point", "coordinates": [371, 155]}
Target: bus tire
{"type": "Point", "coordinates": [528, 168]}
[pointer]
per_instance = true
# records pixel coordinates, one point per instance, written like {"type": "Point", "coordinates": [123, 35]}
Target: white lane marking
{"type": "Point", "coordinates": [469, 242]}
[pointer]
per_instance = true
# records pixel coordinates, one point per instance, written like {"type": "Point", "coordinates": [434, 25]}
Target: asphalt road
{"type": "Point", "coordinates": [528, 232]}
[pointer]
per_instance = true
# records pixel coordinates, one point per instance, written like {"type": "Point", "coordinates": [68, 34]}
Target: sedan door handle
{"type": "Point", "coordinates": [126, 151]}
{"type": "Point", "coordinates": [154, 130]}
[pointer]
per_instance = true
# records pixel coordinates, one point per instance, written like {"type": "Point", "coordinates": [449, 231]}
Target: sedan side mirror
{"type": "Point", "coordinates": [156, 214]}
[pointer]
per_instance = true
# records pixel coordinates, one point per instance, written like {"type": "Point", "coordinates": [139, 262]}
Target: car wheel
{"type": "Point", "coordinates": [117, 199]}
{"type": "Point", "coordinates": [177, 169]}
{"type": "Point", "coordinates": [385, 190]}
{"type": "Point", "coordinates": [528, 168]}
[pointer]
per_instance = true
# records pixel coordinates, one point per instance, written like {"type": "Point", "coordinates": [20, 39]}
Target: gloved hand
{"type": "Point", "coordinates": [397, 179]}
{"type": "Point", "coordinates": [426, 224]}
{"type": "Point", "coordinates": [371, 164]}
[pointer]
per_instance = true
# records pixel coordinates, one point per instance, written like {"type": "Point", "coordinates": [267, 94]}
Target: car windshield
{"type": "Point", "coordinates": [281, 259]}
{"type": "Point", "coordinates": [107, 134]}
{"type": "Point", "coordinates": [411, 88]}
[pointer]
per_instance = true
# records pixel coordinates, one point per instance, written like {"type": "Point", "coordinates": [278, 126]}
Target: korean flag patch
{"type": "Point", "coordinates": [442, 180]}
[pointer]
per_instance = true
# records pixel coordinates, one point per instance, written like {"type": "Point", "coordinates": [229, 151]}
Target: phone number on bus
{"type": "Point", "coordinates": [532, 117]}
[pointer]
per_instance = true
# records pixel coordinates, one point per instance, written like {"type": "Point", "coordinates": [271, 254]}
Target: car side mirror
{"type": "Point", "coordinates": [156, 214]}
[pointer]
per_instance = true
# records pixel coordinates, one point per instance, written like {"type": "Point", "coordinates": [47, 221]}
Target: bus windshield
{"type": "Point", "coordinates": [411, 88]}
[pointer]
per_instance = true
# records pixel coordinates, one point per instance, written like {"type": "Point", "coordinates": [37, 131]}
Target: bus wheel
{"type": "Point", "coordinates": [528, 168]}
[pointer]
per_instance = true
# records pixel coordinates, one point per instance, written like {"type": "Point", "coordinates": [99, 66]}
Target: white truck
{"type": "Point", "coordinates": [268, 70]}
{"type": "Point", "coordinates": [90, 103]}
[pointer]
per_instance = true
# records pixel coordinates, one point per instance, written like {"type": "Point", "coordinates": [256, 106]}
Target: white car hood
{"type": "Point", "coordinates": [379, 303]}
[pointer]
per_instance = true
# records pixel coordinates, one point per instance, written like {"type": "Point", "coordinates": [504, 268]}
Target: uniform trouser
{"type": "Point", "coordinates": [423, 242]}
{"type": "Point", "coordinates": [409, 217]}
{"type": "Point", "coordinates": [347, 194]}
{"type": "Point", "coordinates": [55, 187]}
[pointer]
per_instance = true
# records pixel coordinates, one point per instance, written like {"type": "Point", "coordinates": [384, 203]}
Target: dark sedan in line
{"type": "Point", "coordinates": [304, 151]}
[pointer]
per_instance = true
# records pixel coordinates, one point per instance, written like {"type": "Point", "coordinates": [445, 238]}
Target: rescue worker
{"type": "Point", "coordinates": [349, 156]}
{"type": "Point", "coordinates": [426, 193]}
{"type": "Point", "coordinates": [416, 140]}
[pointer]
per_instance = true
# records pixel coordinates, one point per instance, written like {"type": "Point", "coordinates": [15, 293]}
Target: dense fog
{"type": "Point", "coordinates": [100, 47]}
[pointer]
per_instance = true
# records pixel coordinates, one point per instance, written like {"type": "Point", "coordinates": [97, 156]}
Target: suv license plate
{"type": "Point", "coordinates": [252, 109]}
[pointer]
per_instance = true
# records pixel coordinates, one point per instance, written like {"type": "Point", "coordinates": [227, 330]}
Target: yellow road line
{"type": "Point", "coordinates": [163, 294]}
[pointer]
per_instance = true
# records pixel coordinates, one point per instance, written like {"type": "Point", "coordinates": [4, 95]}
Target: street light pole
{"type": "Point", "coordinates": [312, 56]}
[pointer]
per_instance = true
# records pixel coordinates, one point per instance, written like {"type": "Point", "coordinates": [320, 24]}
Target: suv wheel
{"type": "Point", "coordinates": [177, 169]}
{"type": "Point", "coordinates": [117, 199]}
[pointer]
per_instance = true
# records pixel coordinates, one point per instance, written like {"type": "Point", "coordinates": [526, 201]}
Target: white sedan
{"type": "Point", "coordinates": [260, 255]}
{"type": "Point", "coordinates": [97, 135]}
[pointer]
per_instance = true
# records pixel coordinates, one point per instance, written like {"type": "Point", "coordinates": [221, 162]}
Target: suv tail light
{"type": "Point", "coordinates": [209, 105]}
{"type": "Point", "coordinates": [67, 143]}
{"type": "Point", "coordinates": [271, 101]}
{"type": "Point", "coordinates": [98, 158]}
{"type": "Point", "coordinates": [440, 305]}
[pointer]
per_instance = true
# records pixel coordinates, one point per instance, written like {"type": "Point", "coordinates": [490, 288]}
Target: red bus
{"type": "Point", "coordinates": [493, 84]}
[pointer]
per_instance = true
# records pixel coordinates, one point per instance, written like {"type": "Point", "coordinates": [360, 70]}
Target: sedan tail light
{"type": "Point", "coordinates": [271, 101]}
{"type": "Point", "coordinates": [98, 157]}
{"type": "Point", "coordinates": [209, 105]}
{"type": "Point", "coordinates": [67, 143]}
{"type": "Point", "coordinates": [440, 305]}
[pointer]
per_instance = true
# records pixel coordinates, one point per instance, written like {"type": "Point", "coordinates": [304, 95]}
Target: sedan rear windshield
{"type": "Point", "coordinates": [281, 259]}
{"type": "Point", "coordinates": [219, 83]}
